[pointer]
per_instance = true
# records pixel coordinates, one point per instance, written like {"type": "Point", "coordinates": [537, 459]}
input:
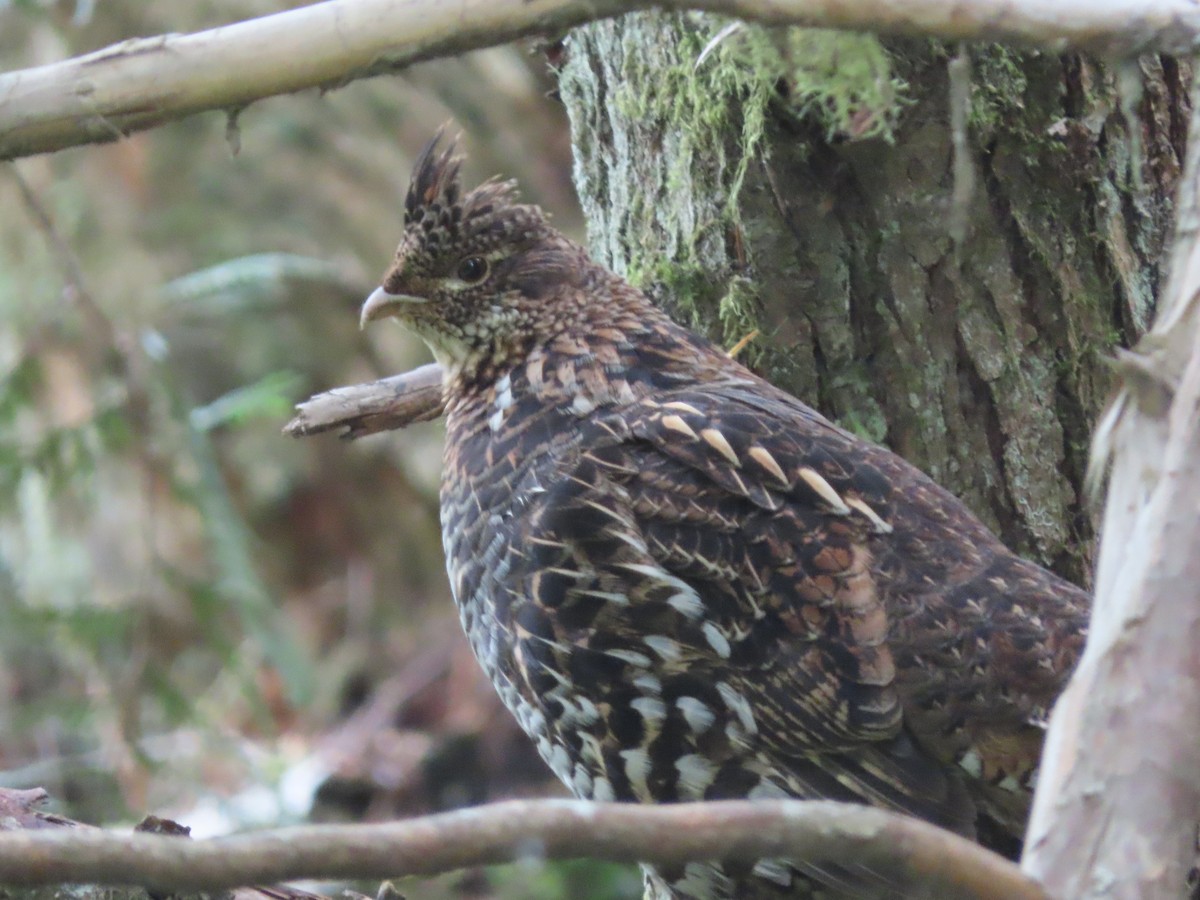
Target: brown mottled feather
{"type": "Point", "coordinates": [687, 584]}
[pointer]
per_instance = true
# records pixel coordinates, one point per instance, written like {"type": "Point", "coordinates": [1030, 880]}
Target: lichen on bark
{"type": "Point", "coordinates": [800, 182]}
{"type": "Point", "coordinates": [676, 107]}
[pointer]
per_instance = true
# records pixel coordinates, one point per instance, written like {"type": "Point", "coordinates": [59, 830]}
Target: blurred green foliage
{"type": "Point", "coordinates": [189, 600]}
{"type": "Point", "coordinates": [533, 880]}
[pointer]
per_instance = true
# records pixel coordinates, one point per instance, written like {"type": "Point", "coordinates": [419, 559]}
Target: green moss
{"type": "Point", "coordinates": [845, 80]}
{"type": "Point", "coordinates": [738, 308]}
{"type": "Point", "coordinates": [674, 280]}
{"type": "Point", "coordinates": [702, 106]}
{"type": "Point", "coordinates": [723, 79]}
{"type": "Point", "coordinates": [704, 92]}
{"type": "Point", "coordinates": [998, 84]}
{"type": "Point", "coordinates": [1003, 103]}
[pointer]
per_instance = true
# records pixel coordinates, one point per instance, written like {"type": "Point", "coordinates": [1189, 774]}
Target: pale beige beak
{"type": "Point", "coordinates": [381, 304]}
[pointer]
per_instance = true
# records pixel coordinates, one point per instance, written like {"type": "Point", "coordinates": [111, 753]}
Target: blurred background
{"type": "Point", "coordinates": [201, 618]}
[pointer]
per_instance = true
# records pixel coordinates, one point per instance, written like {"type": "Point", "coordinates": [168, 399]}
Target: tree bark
{"type": "Point", "coordinates": [1118, 793]}
{"type": "Point", "coordinates": [806, 183]}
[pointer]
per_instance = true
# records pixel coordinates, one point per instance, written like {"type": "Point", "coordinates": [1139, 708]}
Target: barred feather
{"type": "Point", "coordinates": [686, 584]}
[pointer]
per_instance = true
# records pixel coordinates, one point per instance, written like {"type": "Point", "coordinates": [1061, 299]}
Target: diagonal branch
{"type": "Point", "coordinates": [905, 850]}
{"type": "Point", "coordinates": [363, 409]}
{"type": "Point", "coordinates": [145, 82]}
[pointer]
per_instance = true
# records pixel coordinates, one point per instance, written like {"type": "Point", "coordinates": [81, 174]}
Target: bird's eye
{"type": "Point", "coordinates": [473, 269]}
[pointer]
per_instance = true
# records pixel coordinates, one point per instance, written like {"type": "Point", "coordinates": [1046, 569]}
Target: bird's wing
{"type": "Point", "coordinates": [709, 562]}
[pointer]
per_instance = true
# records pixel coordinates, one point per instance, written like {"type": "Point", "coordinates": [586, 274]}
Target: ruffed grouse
{"type": "Point", "coordinates": [685, 583]}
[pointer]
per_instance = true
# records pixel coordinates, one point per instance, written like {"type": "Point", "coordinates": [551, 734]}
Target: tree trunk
{"type": "Point", "coordinates": [805, 183]}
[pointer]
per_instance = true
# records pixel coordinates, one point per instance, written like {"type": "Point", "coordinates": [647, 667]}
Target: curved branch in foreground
{"type": "Point", "coordinates": [906, 850]}
{"type": "Point", "coordinates": [363, 409]}
{"type": "Point", "coordinates": [145, 82]}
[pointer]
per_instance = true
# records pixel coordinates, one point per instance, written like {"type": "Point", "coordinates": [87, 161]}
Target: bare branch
{"type": "Point", "coordinates": [1119, 790]}
{"type": "Point", "coordinates": [21, 811]}
{"type": "Point", "coordinates": [904, 849]}
{"type": "Point", "coordinates": [363, 409]}
{"type": "Point", "coordinates": [145, 82]}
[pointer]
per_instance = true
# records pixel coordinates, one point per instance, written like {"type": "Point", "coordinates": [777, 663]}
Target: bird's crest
{"type": "Point", "coordinates": [435, 179]}
{"type": "Point", "coordinates": [435, 197]}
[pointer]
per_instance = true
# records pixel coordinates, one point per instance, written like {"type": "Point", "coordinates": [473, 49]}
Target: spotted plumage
{"type": "Point", "coordinates": [685, 583]}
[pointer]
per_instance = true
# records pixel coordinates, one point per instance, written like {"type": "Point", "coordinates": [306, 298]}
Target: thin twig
{"type": "Point", "coordinates": [76, 285]}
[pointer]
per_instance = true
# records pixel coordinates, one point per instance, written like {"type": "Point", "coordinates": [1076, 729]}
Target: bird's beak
{"type": "Point", "coordinates": [381, 304]}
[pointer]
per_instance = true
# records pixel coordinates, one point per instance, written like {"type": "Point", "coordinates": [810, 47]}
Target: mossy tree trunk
{"type": "Point", "coordinates": [803, 183]}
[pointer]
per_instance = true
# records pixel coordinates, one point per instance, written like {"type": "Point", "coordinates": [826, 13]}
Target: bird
{"type": "Point", "coordinates": [685, 583]}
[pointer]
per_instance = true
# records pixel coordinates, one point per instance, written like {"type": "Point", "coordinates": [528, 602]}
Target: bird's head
{"type": "Point", "coordinates": [478, 276]}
